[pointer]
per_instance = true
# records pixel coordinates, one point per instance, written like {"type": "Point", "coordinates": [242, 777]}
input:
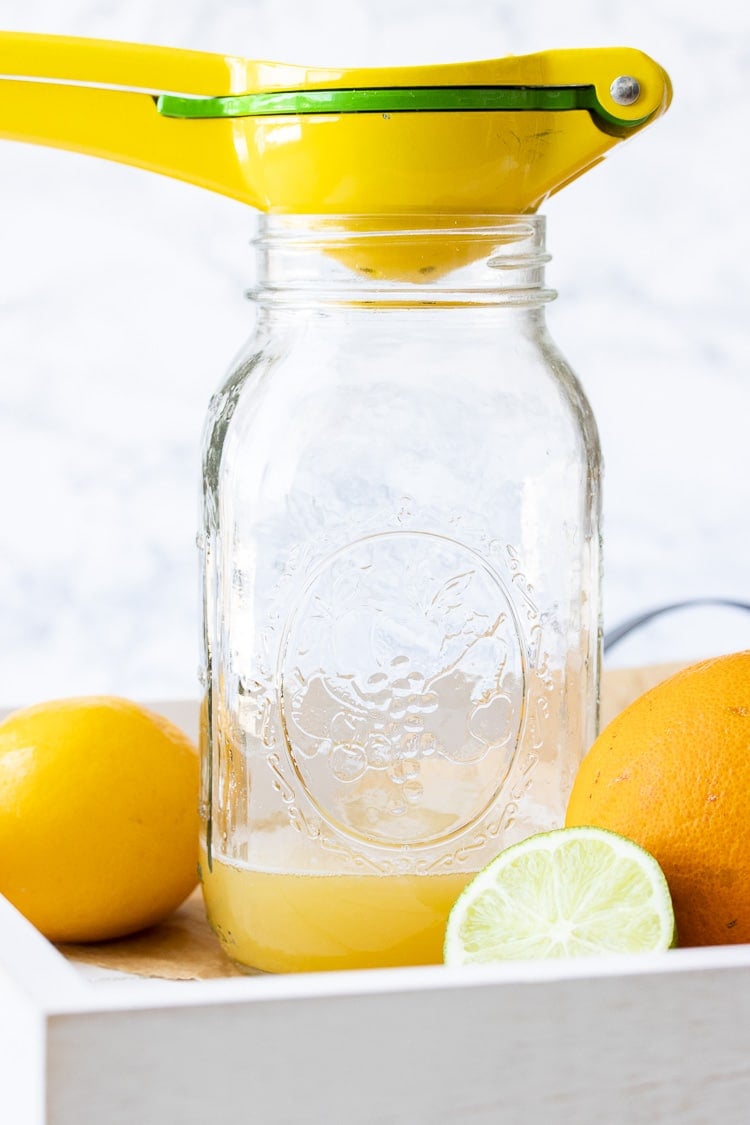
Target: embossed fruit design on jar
{"type": "Point", "coordinates": [401, 586]}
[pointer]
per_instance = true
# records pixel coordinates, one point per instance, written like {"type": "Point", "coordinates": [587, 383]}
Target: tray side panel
{"type": "Point", "coordinates": [21, 1057]}
{"type": "Point", "coordinates": [666, 1047]}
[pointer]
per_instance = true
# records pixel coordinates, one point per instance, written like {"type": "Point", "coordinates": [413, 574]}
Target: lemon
{"type": "Point", "coordinates": [569, 893]}
{"type": "Point", "coordinates": [98, 817]}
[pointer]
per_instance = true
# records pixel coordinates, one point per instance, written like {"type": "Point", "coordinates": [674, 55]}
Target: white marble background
{"type": "Point", "coordinates": [121, 304]}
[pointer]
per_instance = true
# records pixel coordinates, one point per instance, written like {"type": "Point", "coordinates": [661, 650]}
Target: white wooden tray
{"type": "Point", "coordinates": [607, 1041]}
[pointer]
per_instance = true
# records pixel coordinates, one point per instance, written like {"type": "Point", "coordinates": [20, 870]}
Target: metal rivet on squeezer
{"type": "Point", "coordinates": [625, 90]}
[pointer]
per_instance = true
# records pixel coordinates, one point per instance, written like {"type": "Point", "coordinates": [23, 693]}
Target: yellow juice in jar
{"type": "Point", "coordinates": [303, 923]}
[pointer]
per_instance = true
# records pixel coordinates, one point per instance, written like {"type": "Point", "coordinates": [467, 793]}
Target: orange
{"type": "Point", "coordinates": [672, 772]}
{"type": "Point", "coordinates": [98, 817]}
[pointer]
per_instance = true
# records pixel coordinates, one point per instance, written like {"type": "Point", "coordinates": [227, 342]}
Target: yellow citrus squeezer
{"type": "Point", "coordinates": [496, 136]}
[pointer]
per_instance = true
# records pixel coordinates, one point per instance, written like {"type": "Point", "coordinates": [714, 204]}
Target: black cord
{"type": "Point", "coordinates": [613, 636]}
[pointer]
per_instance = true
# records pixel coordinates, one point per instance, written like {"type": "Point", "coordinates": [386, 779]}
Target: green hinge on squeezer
{"type": "Point", "coordinates": [493, 137]}
{"type": "Point", "coordinates": [435, 99]}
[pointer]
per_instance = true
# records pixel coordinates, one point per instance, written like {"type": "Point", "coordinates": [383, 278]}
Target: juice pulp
{"type": "Point", "coordinates": [301, 923]}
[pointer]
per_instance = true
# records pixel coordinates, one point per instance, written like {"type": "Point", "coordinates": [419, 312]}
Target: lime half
{"type": "Point", "coordinates": [575, 892]}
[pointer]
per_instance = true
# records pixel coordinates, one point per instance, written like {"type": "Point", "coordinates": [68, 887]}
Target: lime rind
{"type": "Point", "coordinates": [573, 892]}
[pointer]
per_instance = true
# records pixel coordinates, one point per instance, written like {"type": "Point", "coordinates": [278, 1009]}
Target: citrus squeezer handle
{"type": "Point", "coordinates": [63, 92]}
{"type": "Point", "coordinates": [213, 120]}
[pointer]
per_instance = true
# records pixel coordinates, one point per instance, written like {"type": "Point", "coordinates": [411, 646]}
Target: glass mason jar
{"type": "Point", "coordinates": [401, 585]}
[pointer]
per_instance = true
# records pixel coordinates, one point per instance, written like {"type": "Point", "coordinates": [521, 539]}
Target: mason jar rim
{"type": "Point", "coordinates": [335, 227]}
{"type": "Point", "coordinates": [412, 259]}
